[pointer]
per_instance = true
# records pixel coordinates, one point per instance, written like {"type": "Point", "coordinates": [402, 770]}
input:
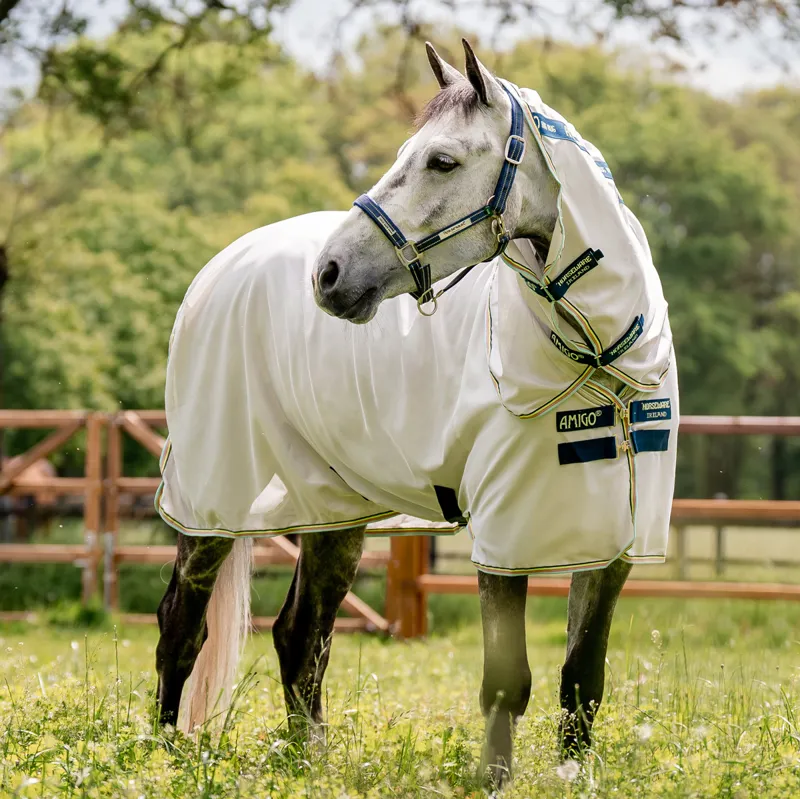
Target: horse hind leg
{"type": "Point", "coordinates": [205, 613]}
{"type": "Point", "coordinates": [303, 630]}
{"type": "Point", "coordinates": [592, 599]}
{"type": "Point", "coordinates": [506, 687]}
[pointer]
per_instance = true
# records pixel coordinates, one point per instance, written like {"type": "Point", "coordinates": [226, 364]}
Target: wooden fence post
{"type": "Point", "coordinates": [93, 498]}
{"type": "Point", "coordinates": [720, 553]}
{"type": "Point", "coordinates": [111, 527]}
{"type": "Point", "coordinates": [406, 604]}
{"type": "Point", "coordinates": [680, 542]}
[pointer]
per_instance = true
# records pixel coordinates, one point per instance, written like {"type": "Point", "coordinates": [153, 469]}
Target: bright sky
{"type": "Point", "coordinates": [721, 64]}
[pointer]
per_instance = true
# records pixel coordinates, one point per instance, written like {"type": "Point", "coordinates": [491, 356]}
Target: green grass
{"type": "Point", "coordinates": [702, 700]}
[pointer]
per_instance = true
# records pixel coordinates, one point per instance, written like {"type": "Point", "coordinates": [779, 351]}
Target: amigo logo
{"type": "Point", "coordinates": [564, 349]}
{"type": "Point", "coordinates": [585, 420]}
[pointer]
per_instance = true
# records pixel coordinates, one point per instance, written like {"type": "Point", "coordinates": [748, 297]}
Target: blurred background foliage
{"type": "Point", "coordinates": [139, 157]}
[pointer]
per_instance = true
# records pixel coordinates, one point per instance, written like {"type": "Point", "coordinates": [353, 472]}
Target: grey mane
{"type": "Point", "coordinates": [455, 97]}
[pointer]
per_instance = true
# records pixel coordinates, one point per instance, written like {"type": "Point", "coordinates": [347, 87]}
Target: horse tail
{"type": "Point", "coordinates": [208, 693]}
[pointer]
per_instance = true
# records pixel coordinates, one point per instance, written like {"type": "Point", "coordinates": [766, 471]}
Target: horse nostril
{"type": "Point", "coordinates": [328, 276]}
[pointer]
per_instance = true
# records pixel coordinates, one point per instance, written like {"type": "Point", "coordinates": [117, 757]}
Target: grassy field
{"type": "Point", "coordinates": [702, 700]}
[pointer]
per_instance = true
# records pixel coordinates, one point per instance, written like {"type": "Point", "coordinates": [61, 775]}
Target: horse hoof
{"type": "Point", "coordinates": [308, 733]}
{"type": "Point", "coordinates": [495, 773]}
{"type": "Point", "coordinates": [317, 738]}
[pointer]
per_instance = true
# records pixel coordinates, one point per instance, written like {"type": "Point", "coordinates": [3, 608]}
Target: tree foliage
{"type": "Point", "coordinates": [107, 231]}
{"type": "Point", "coordinates": [112, 205]}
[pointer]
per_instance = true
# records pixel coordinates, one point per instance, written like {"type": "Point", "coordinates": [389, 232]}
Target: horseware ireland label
{"type": "Point", "coordinates": [585, 420]}
{"type": "Point", "coordinates": [584, 263]}
{"type": "Point", "coordinates": [654, 410]}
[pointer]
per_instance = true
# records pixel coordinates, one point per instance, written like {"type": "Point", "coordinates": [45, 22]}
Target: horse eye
{"type": "Point", "coordinates": [442, 163]}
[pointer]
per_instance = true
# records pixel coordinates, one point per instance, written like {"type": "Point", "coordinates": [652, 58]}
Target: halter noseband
{"type": "Point", "coordinates": [410, 252]}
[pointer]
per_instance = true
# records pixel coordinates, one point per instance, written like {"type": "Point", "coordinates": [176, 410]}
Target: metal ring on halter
{"type": "Point", "coordinates": [434, 298]}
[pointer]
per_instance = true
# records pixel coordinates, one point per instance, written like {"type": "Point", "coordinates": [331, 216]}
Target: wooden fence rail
{"type": "Point", "coordinates": [67, 424]}
{"type": "Point", "coordinates": [138, 426]}
{"type": "Point", "coordinates": [417, 584]}
{"type": "Point", "coordinates": [408, 582]}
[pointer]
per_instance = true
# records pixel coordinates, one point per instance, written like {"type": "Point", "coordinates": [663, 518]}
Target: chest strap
{"type": "Point", "coordinates": [448, 502]}
{"type": "Point", "coordinates": [556, 289]}
{"type": "Point", "coordinates": [609, 355]}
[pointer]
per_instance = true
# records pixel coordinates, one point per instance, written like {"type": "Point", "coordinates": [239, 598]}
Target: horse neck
{"type": "Point", "coordinates": [539, 198]}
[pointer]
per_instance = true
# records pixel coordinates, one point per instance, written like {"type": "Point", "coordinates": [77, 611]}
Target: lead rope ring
{"type": "Point", "coordinates": [422, 302]}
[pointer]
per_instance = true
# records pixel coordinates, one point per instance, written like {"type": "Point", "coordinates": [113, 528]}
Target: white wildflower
{"type": "Point", "coordinates": [568, 770]}
{"type": "Point", "coordinates": [644, 732]}
{"type": "Point", "coordinates": [277, 745]}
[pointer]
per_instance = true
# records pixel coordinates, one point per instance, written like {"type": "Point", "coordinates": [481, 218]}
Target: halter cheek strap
{"type": "Point", "coordinates": [410, 253]}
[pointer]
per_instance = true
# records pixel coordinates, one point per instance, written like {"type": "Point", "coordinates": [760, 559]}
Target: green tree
{"type": "Point", "coordinates": [111, 218]}
{"type": "Point", "coordinates": [716, 193]}
{"type": "Point", "coordinates": [107, 231]}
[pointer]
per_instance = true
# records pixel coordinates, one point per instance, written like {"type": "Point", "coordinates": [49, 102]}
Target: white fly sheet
{"type": "Point", "coordinates": [284, 419]}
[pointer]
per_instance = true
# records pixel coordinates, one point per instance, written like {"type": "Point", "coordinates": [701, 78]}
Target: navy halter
{"type": "Point", "coordinates": [410, 252]}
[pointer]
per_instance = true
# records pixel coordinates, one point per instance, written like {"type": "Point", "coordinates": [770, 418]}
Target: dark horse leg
{"type": "Point", "coordinates": [303, 630]}
{"type": "Point", "coordinates": [592, 599]}
{"type": "Point", "coordinates": [182, 617]}
{"type": "Point", "coordinates": [506, 686]}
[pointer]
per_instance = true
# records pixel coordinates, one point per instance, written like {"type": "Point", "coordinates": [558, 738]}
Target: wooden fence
{"type": "Point", "coordinates": [12, 481]}
{"type": "Point", "coordinates": [409, 582]}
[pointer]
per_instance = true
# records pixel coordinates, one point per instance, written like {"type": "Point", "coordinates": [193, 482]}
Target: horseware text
{"type": "Point", "coordinates": [585, 262]}
{"type": "Point", "coordinates": [651, 410]}
{"type": "Point", "coordinates": [623, 346]}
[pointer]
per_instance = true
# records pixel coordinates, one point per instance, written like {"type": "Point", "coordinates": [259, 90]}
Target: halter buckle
{"type": "Point", "coordinates": [510, 141]}
{"type": "Point", "coordinates": [403, 256]}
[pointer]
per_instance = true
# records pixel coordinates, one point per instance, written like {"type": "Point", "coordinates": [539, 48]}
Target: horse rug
{"type": "Point", "coordinates": [537, 410]}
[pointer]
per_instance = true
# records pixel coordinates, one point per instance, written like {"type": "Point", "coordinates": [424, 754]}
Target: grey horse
{"type": "Point", "coordinates": [204, 612]}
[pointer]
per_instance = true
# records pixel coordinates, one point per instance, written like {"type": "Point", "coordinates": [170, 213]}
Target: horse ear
{"type": "Point", "coordinates": [485, 84]}
{"type": "Point", "coordinates": [445, 74]}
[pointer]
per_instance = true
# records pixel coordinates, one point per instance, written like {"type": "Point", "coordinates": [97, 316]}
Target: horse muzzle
{"type": "Point", "coordinates": [339, 297]}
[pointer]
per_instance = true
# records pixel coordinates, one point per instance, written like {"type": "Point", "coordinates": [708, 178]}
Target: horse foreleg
{"type": "Point", "coordinates": [506, 686]}
{"type": "Point", "coordinates": [182, 617]}
{"type": "Point", "coordinates": [592, 599]}
{"type": "Point", "coordinates": [304, 627]}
